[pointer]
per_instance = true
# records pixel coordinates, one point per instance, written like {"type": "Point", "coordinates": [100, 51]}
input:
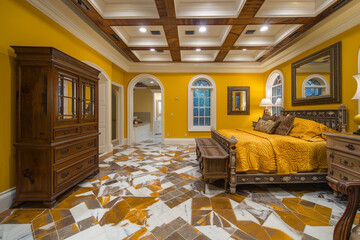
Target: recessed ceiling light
{"type": "Point", "coordinates": [151, 81]}
{"type": "Point", "coordinates": [244, 49]}
{"type": "Point", "coordinates": [264, 28]}
{"type": "Point", "coordinates": [198, 49]}
{"type": "Point", "coordinates": [152, 49]}
{"type": "Point", "coordinates": [142, 29]}
{"type": "Point", "coordinates": [202, 29]}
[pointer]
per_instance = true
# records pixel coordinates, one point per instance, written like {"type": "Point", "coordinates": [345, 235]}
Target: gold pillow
{"type": "Point", "coordinates": [308, 129]}
{"type": "Point", "coordinates": [268, 126]}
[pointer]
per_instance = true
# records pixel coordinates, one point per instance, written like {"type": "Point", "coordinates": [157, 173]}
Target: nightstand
{"type": "Point", "coordinates": [343, 152]}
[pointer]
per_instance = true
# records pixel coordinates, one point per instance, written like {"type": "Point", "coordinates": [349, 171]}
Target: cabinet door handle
{"type": "Point", "coordinates": [64, 151]}
{"type": "Point", "coordinates": [350, 147]}
{"type": "Point", "coordinates": [79, 167]}
{"type": "Point", "coordinates": [79, 147]}
{"type": "Point", "coordinates": [64, 175]}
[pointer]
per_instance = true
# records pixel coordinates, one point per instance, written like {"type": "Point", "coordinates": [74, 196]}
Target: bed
{"type": "Point", "coordinates": [279, 159]}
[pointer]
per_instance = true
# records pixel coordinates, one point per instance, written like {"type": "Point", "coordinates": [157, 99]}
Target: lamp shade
{"type": "Point", "coordinates": [266, 102]}
{"type": "Point", "coordinates": [278, 102]}
{"type": "Point", "coordinates": [357, 94]}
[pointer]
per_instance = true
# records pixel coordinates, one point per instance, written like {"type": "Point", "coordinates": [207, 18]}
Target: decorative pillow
{"type": "Point", "coordinates": [266, 116]}
{"type": "Point", "coordinates": [308, 129]}
{"type": "Point", "coordinates": [268, 126]}
{"type": "Point", "coordinates": [286, 123]}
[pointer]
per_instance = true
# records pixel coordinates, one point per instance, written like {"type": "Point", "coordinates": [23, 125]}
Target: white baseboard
{"type": "Point", "coordinates": [179, 141]}
{"type": "Point", "coordinates": [6, 198]}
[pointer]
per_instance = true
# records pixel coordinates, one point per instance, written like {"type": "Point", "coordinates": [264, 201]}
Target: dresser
{"type": "Point", "coordinates": [343, 152]}
{"type": "Point", "coordinates": [56, 123]}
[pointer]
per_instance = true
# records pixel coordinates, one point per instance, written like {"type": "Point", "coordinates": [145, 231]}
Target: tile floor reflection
{"type": "Point", "coordinates": [153, 191]}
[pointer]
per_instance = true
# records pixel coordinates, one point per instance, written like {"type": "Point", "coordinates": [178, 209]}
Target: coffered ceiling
{"type": "Point", "coordinates": [205, 30]}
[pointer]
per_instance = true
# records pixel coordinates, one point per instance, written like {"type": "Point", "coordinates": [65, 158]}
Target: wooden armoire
{"type": "Point", "coordinates": [56, 123]}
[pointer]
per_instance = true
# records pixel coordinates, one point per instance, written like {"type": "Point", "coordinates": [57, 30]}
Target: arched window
{"type": "Point", "coordinates": [201, 103]}
{"type": "Point", "coordinates": [314, 85]}
{"type": "Point", "coordinates": [275, 91]}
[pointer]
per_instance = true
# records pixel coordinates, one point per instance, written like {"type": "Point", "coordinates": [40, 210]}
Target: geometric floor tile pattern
{"type": "Point", "coordinates": [153, 191]}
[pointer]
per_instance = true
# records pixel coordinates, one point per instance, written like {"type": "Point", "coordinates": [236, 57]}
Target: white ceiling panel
{"type": "Point", "coordinates": [240, 55]}
{"type": "Point", "coordinates": [126, 9]}
{"type": "Point", "coordinates": [274, 35]}
{"type": "Point", "coordinates": [208, 8]}
{"type": "Point", "coordinates": [214, 35]}
{"type": "Point", "coordinates": [198, 56]}
{"type": "Point", "coordinates": [133, 37]}
{"type": "Point", "coordinates": [293, 8]}
{"type": "Point", "coordinates": [147, 56]}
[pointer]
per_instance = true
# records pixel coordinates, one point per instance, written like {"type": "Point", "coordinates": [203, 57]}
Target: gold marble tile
{"type": "Point", "coordinates": [202, 203]}
{"type": "Point", "coordinates": [58, 214]}
{"type": "Point", "coordinates": [68, 231]}
{"type": "Point", "coordinates": [308, 220]}
{"type": "Point", "coordinates": [22, 216]}
{"type": "Point", "coordinates": [323, 210]}
{"type": "Point", "coordinates": [140, 202]}
{"type": "Point", "coordinates": [200, 217]}
{"type": "Point", "coordinates": [116, 214]}
{"type": "Point", "coordinates": [74, 200]}
{"type": "Point", "coordinates": [253, 229]}
{"type": "Point", "coordinates": [276, 234]}
{"type": "Point", "coordinates": [220, 203]}
{"type": "Point", "coordinates": [292, 220]}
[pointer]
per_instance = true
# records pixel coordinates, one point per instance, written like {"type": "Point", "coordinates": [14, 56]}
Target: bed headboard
{"type": "Point", "coordinates": [333, 118]}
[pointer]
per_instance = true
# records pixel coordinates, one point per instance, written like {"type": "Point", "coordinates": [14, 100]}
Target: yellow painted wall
{"type": "Point", "coordinates": [143, 102]}
{"type": "Point", "coordinates": [176, 85]}
{"type": "Point", "coordinates": [350, 47]}
{"type": "Point", "coordinates": [23, 25]}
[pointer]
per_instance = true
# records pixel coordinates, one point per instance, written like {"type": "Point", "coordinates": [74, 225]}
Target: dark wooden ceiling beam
{"type": "Point", "coordinates": [172, 38]}
{"type": "Point", "coordinates": [250, 8]}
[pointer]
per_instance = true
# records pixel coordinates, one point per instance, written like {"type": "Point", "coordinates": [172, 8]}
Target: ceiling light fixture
{"type": "Point", "coordinates": [152, 49]}
{"type": "Point", "coordinates": [198, 49]}
{"type": "Point", "coordinates": [151, 81]}
{"type": "Point", "coordinates": [244, 49]}
{"type": "Point", "coordinates": [202, 29]}
{"type": "Point", "coordinates": [264, 28]}
{"type": "Point", "coordinates": [142, 29]}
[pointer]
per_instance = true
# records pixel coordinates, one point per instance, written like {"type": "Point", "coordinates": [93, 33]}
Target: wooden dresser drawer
{"type": "Point", "coordinates": [343, 175]}
{"type": "Point", "coordinates": [89, 128]}
{"type": "Point", "coordinates": [346, 145]}
{"type": "Point", "coordinates": [69, 150]}
{"type": "Point", "coordinates": [65, 132]}
{"type": "Point", "coordinates": [345, 160]}
{"type": "Point", "coordinates": [63, 175]}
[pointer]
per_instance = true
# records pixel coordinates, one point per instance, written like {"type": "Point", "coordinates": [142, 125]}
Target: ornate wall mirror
{"type": "Point", "coordinates": [316, 79]}
{"type": "Point", "coordinates": [238, 100]}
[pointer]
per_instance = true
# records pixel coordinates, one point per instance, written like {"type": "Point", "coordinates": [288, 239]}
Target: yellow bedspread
{"type": "Point", "coordinates": [262, 152]}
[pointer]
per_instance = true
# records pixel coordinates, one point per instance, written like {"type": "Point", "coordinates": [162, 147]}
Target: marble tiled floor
{"type": "Point", "coordinates": [152, 191]}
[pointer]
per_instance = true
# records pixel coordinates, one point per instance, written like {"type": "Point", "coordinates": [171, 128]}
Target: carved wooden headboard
{"type": "Point", "coordinates": [333, 118]}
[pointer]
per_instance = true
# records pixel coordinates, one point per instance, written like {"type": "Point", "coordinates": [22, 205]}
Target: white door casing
{"type": "Point", "coordinates": [104, 86]}
{"type": "Point", "coordinates": [119, 90]}
{"type": "Point", "coordinates": [130, 105]}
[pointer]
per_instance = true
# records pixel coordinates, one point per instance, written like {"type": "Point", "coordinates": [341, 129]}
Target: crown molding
{"type": "Point", "coordinates": [340, 21]}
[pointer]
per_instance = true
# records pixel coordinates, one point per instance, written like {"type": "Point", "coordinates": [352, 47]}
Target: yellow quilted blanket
{"type": "Point", "coordinates": [262, 152]}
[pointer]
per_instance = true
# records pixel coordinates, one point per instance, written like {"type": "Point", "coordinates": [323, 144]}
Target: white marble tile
{"type": "Point", "coordinates": [185, 169]}
{"type": "Point", "coordinates": [243, 215]}
{"type": "Point", "coordinates": [167, 185]}
{"type": "Point", "coordinates": [128, 151]}
{"type": "Point", "coordinates": [280, 193]}
{"type": "Point", "coordinates": [94, 232]}
{"type": "Point", "coordinates": [213, 232]}
{"type": "Point", "coordinates": [98, 213]}
{"type": "Point", "coordinates": [16, 231]}
{"type": "Point", "coordinates": [275, 222]}
{"type": "Point", "coordinates": [320, 232]}
{"type": "Point", "coordinates": [80, 212]}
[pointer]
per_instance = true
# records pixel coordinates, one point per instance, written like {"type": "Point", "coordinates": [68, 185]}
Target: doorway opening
{"type": "Point", "coordinates": [145, 109]}
{"type": "Point", "coordinates": [117, 108]}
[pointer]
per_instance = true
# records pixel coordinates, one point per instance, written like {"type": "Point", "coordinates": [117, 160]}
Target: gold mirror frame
{"type": "Point", "coordinates": [231, 111]}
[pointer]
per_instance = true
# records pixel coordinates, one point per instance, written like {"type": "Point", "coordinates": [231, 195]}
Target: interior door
{"type": "Point", "coordinates": [102, 114]}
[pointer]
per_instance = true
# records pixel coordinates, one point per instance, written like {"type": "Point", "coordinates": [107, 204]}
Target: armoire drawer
{"type": "Point", "coordinates": [345, 160]}
{"type": "Point", "coordinates": [343, 175]}
{"type": "Point", "coordinates": [89, 128]}
{"type": "Point", "coordinates": [63, 175]}
{"type": "Point", "coordinates": [69, 150]}
{"type": "Point", "coordinates": [65, 132]}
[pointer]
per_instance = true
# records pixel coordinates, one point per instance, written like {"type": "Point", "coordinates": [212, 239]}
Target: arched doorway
{"type": "Point", "coordinates": [130, 105]}
{"type": "Point", "coordinates": [105, 144]}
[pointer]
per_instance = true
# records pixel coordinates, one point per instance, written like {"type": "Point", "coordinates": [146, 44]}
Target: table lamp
{"type": "Point", "coordinates": [357, 96]}
{"type": "Point", "coordinates": [266, 102]}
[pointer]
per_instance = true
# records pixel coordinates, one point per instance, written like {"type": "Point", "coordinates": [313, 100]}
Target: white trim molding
{"type": "Point", "coordinates": [269, 84]}
{"type": "Point", "coordinates": [108, 142]}
{"type": "Point", "coordinates": [338, 22]}
{"type": "Point", "coordinates": [179, 141]}
{"type": "Point", "coordinates": [120, 113]}
{"type": "Point", "coordinates": [317, 77]}
{"type": "Point", "coordinates": [6, 198]}
{"type": "Point", "coordinates": [191, 127]}
{"type": "Point", "coordinates": [130, 105]}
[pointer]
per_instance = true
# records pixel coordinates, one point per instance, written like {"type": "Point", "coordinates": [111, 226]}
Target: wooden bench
{"type": "Point", "coordinates": [213, 160]}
